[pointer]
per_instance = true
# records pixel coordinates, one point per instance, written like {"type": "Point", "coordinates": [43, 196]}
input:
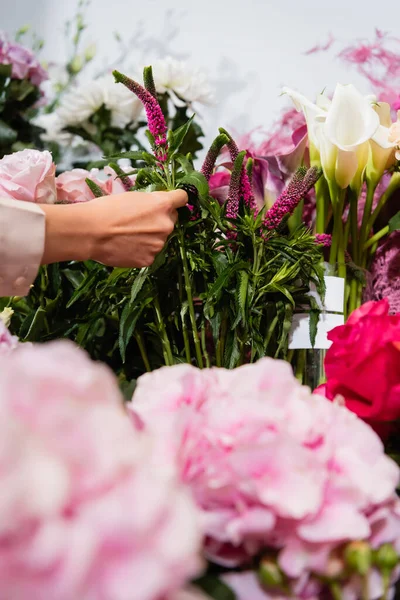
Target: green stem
{"type": "Point", "coordinates": [335, 590]}
{"type": "Point", "coordinates": [353, 216]}
{"type": "Point", "coordinates": [392, 187]}
{"type": "Point", "coordinates": [375, 238]}
{"type": "Point", "coordinates": [300, 366]}
{"type": "Point", "coordinates": [320, 192]}
{"type": "Point", "coordinates": [169, 360]}
{"type": "Point", "coordinates": [188, 289]}
{"type": "Point", "coordinates": [143, 352]}
{"type": "Point", "coordinates": [364, 231]}
{"type": "Point", "coordinates": [204, 345]}
{"type": "Point", "coordinates": [365, 587]}
{"type": "Point", "coordinates": [221, 342]}
{"type": "Point", "coordinates": [186, 340]}
{"type": "Point", "coordinates": [337, 255]}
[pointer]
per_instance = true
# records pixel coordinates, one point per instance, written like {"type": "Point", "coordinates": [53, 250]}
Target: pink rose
{"type": "Point", "coordinates": [114, 185]}
{"type": "Point", "coordinates": [72, 186]}
{"type": "Point", "coordinates": [24, 63]}
{"type": "Point", "coordinates": [28, 175]}
{"type": "Point", "coordinates": [363, 363]}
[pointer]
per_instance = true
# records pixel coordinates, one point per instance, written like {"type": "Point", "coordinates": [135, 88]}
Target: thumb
{"type": "Point", "coordinates": [178, 198]}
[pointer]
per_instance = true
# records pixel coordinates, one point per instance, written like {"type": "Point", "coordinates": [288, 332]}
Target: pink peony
{"type": "Point", "coordinates": [270, 466]}
{"type": "Point", "coordinates": [28, 175]}
{"type": "Point", "coordinates": [87, 509]}
{"type": "Point", "coordinates": [24, 63]}
{"type": "Point", "coordinates": [72, 186]}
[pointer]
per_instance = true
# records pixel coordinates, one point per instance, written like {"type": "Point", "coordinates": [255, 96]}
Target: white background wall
{"type": "Point", "coordinates": [250, 48]}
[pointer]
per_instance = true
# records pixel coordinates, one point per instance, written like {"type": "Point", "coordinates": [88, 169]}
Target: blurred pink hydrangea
{"type": "Point", "coordinates": [87, 510]}
{"type": "Point", "coordinates": [24, 63]}
{"type": "Point", "coordinates": [8, 342]}
{"type": "Point", "coordinates": [270, 465]}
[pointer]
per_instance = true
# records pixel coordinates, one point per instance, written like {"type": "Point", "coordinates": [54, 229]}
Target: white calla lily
{"type": "Point", "coordinates": [382, 152]}
{"type": "Point", "coordinates": [341, 131]}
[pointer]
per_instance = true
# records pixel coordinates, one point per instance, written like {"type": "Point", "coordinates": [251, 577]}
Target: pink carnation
{"type": "Point", "coordinates": [28, 175]}
{"type": "Point", "coordinates": [87, 510]}
{"type": "Point", "coordinates": [72, 186]}
{"type": "Point", "coordinates": [270, 465]}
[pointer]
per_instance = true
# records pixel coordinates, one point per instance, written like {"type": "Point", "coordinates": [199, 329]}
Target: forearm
{"type": "Point", "coordinates": [69, 234]}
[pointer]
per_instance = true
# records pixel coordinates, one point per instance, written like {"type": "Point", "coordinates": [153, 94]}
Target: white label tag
{"type": "Point", "coordinates": [299, 336]}
{"type": "Point", "coordinates": [334, 295]}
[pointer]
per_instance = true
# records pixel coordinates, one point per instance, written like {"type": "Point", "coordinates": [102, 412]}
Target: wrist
{"type": "Point", "coordinates": [68, 234]}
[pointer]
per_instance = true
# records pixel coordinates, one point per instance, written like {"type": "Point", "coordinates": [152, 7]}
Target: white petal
{"type": "Point", "coordinates": [351, 119]}
{"type": "Point", "coordinates": [381, 137]}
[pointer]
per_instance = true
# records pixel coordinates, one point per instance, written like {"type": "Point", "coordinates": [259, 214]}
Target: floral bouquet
{"type": "Point", "coordinates": [223, 290]}
{"type": "Point", "coordinates": [21, 76]}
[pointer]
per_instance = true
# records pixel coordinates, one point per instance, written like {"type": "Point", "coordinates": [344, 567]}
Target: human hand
{"type": "Point", "coordinates": [122, 230]}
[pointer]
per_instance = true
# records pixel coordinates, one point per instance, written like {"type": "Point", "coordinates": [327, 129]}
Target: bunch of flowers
{"type": "Point", "coordinates": [293, 492]}
{"type": "Point", "coordinates": [21, 76]}
{"type": "Point", "coordinates": [89, 508]}
{"type": "Point", "coordinates": [221, 292]}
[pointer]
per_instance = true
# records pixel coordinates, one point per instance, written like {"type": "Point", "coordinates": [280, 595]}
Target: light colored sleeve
{"type": "Point", "coordinates": [22, 236]}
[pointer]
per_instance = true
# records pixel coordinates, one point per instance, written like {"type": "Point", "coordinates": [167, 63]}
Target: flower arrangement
{"type": "Point", "coordinates": [223, 290]}
{"type": "Point", "coordinates": [21, 76]}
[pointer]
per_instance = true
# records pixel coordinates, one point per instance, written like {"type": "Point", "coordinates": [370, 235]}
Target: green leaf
{"type": "Point", "coordinates": [96, 189]}
{"type": "Point", "coordinates": [175, 138]}
{"type": "Point", "coordinates": [223, 279]}
{"type": "Point", "coordinates": [138, 283]}
{"type": "Point", "coordinates": [185, 163]}
{"type": "Point", "coordinates": [241, 293]}
{"type": "Point", "coordinates": [74, 277]}
{"type": "Point", "coordinates": [129, 318]}
{"type": "Point", "coordinates": [37, 325]}
{"type": "Point", "coordinates": [394, 223]}
{"type": "Point", "coordinates": [5, 71]}
{"type": "Point", "coordinates": [8, 135]}
{"type": "Point", "coordinates": [215, 588]}
{"type": "Point", "coordinates": [198, 181]}
{"type": "Point", "coordinates": [134, 155]}
{"type": "Point", "coordinates": [85, 286]}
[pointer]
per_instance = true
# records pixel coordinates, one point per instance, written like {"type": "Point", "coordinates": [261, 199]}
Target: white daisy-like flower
{"type": "Point", "coordinates": [53, 126]}
{"type": "Point", "coordinates": [125, 107]}
{"type": "Point", "coordinates": [181, 81]}
{"type": "Point", "coordinates": [79, 104]}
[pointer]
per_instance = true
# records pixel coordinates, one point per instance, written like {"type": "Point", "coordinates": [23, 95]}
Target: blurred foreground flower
{"type": "Point", "coordinates": [272, 468]}
{"type": "Point", "coordinates": [87, 508]}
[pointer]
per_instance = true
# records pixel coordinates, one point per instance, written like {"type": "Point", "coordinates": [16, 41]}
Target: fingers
{"type": "Point", "coordinates": [177, 198]}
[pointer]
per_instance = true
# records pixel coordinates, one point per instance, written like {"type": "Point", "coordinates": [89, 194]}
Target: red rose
{"type": "Point", "coordinates": [363, 363]}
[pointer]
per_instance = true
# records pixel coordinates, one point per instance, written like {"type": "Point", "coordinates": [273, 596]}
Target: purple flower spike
{"type": "Point", "coordinates": [232, 204]}
{"type": "Point", "coordinates": [298, 187]}
{"type": "Point", "coordinates": [323, 239]}
{"type": "Point", "coordinates": [209, 162]}
{"type": "Point", "coordinates": [155, 117]}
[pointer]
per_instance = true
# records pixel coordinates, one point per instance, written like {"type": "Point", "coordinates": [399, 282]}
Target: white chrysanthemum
{"type": "Point", "coordinates": [125, 107]}
{"type": "Point", "coordinates": [180, 80]}
{"type": "Point", "coordinates": [53, 126]}
{"type": "Point", "coordinates": [78, 105]}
